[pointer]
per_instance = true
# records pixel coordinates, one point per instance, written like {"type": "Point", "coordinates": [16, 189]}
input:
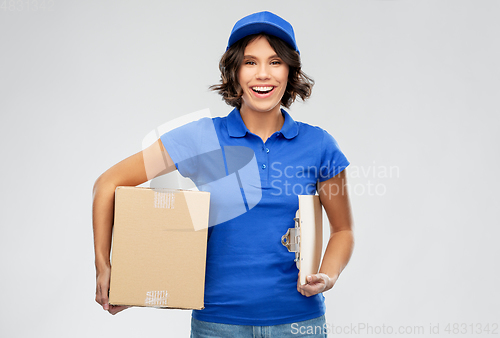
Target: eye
{"type": "Point", "coordinates": [276, 62]}
{"type": "Point", "coordinates": [249, 62]}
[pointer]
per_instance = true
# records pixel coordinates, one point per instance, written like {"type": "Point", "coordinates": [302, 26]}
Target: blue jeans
{"type": "Point", "coordinates": [308, 328]}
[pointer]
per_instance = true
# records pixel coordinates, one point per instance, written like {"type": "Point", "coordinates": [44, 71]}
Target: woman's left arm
{"type": "Point", "coordinates": [335, 199]}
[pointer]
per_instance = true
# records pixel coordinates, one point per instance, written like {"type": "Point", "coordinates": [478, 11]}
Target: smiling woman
{"type": "Point", "coordinates": [262, 78]}
{"type": "Point", "coordinates": [249, 288]}
{"type": "Point", "coordinates": [298, 83]}
{"type": "Point", "coordinates": [260, 73]}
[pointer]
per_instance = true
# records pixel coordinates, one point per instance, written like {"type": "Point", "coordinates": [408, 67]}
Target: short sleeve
{"type": "Point", "coordinates": [333, 160]}
{"type": "Point", "coordinates": [229, 173]}
{"type": "Point", "coordinates": [187, 143]}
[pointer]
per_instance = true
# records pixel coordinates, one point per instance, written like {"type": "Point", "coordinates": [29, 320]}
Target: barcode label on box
{"type": "Point", "coordinates": [156, 298]}
{"type": "Point", "coordinates": [164, 200]}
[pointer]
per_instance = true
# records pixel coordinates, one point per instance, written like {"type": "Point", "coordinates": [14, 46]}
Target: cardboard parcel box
{"type": "Point", "coordinates": [159, 248]}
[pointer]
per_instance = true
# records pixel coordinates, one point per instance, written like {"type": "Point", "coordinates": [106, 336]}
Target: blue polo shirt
{"type": "Point", "coordinates": [251, 278]}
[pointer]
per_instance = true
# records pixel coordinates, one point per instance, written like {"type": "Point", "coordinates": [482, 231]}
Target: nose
{"type": "Point", "coordinates": [263, 72]}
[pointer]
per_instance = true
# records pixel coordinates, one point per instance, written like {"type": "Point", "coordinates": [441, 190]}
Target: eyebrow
{"type": "Point", "coordinates": [254, 57]}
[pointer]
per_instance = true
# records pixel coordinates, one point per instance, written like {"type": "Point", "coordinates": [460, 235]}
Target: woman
{"type": "Point", "coordinates": [251, 285]}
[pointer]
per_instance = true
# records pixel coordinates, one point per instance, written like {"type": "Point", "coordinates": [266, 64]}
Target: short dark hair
{"type": "Point", "coordinates": [298, 82]}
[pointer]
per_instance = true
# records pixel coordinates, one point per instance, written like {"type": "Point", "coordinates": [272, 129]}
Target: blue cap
{"type": "Point", "coordinates": [263, 22]}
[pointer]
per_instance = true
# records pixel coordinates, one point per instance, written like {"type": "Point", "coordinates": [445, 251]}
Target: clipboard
{"type": "Point", "coordinates": [306, 238]}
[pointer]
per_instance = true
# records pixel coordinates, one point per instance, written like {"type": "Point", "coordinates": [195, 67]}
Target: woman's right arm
{"type": "Point", "coordinates": [134, 170]}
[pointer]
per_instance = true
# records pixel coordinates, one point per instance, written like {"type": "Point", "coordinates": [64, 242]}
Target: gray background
{"type": "Point", "coordinates": [408, 88]}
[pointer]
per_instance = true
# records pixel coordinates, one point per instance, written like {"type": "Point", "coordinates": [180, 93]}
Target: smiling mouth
{"type": "Point", "coordinates": [262, 90]}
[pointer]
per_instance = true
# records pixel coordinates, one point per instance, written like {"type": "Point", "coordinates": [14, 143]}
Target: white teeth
{"type": "Point", "coordinates": [262, 89]}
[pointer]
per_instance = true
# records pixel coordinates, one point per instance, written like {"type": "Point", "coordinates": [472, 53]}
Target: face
{"type": "Point", "coordinates": [263, 77]}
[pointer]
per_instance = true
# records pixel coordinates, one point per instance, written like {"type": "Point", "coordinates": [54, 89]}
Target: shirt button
{"type": "Point", "coordinates": [267, 150]}
{"type": "Point", "coordinates": [264, 166]}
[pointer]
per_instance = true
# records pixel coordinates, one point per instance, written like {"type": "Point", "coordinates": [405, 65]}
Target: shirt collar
{"type": "Point", "coordinates": [290, 128]}
{"type": "Point", "coordinates": [236, 127]}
